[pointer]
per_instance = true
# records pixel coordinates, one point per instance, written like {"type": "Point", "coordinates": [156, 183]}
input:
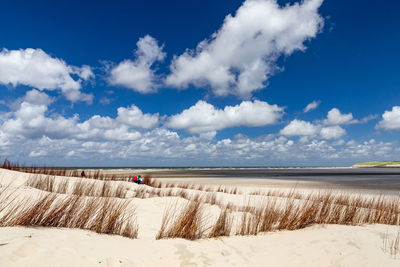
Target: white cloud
{"type": "Point", "coordinates": [368, 118]}
{"type": "Point", "coordinates": [240, 57]}
{"type": "Point", "coordinates": [134, 117]}
{"type": "Point", "coordinates": [208, 135]}
{"type": "Point", "coordinates": [332, 132]}
{"type": "Point", "coordinates": [339, 142]}
{"type": "Point", "coordinates": [204, 117]}
{"type": "Point", "coordinates": [300, 128]}
{"type": "Point", "coordinates": [371, 149]}
{"type": "Point", "coordinates": [335, 117]}
{"type": "Point", "coordinates": [31, 121]}
{"type": "Point", "coordinates": [33, 97]}
{"type": "Point", "coordinates": [390, 119]}
{"type": "Point", "coordinates": [99, 128]}
{"type": "Point", "coordinates": [38, 98]}
{"type": "Point", "coordinates": [35, 68]}
{"type": "Point", "coordinates": [70, 153]}
{"type": "Point", "coordinates": [306, 129]}
{"type": "Point", "coordinates": [167, 147]}
{"type": "Point", "coordinates": [313, 105]}
{"type": "Point", "coordinates": [121, 133]}
{"type": "Point", "coordinates": [138, 75]}
{"type": "Point", "coordinates": [33, 131]}
{"type": "Point", "coordinates": [85, 72]}
{"type": "Point", "coordinates": [40, 153]}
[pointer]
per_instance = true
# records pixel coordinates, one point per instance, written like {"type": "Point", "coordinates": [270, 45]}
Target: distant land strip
{"type": "Point", "coordinates": [388, 164]}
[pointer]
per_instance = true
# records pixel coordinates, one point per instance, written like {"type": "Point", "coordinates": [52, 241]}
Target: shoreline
{"type": "Point", "coordinates": [367, 179]}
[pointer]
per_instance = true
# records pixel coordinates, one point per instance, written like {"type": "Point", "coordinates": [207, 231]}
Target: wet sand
{"type": "Point", "coordinates": [385, 180]}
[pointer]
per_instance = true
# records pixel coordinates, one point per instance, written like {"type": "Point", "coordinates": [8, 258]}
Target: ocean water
{"type": "Point", "coordinates": [360, 178]}
{"type": "Point", "coordinates": [307, 173]}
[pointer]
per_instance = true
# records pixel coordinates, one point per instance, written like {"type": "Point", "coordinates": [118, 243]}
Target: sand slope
{"type": "Point", "coordinates": [331, 245]}
{"type": "Point", "coordinates": [319, 245]}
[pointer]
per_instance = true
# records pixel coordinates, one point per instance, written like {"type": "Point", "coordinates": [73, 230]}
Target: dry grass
{"type": "Point", "coordinates": [250, 223]}
{"type": "Point", "coordinates": [188, 224]}
{"type": "Point", "coordinates": [187, 186]}
{"type": "Point", "coordinates": [80, 187]}
{"type": "Point", "coordinates": [223, 225]}
{"type": "Point", "coordinates": [102, 215]}
{"type": "Point", "coordinates": [298, 211]}
{"type": "Point", "coordinates": [274, 214]}
{"type": "Point", "coordinates": [330, 209]}
{"type": "Point", "coordinates": [53, 171]}
{"type": "Point", "coordinates": [276, 211]}
{"type": "Point", "coordinates": [391, 245]}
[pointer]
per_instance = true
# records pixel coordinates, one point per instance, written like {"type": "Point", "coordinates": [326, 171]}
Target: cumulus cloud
{"type": "Point", "coordinates": [300, 128]}
{"type": "Point", "coordinates": [307, 129]}
{"type": "Point", "coordinates": [137, 74]}
{"type": "Point", "coordinates": [335, 117]}
{"type": "Point", "coordinates": [313, 105]}
{"type": "Point", "coordinates": [332, 132]}
{"type": "Point", "coordinates": [35, 68]}
{"type": "Point", "coordinates": [370, 149]}
{"type": "Point", "coordinates": [34, 131]}
{"type": "Point", "coordinates": [34, 154]}
{"type": "Point", "coordinates": [204, 117]}
{"type": "Point", "coordinates": [38, 98]}
{"type": "Point", "coordinates": [390, 119]}
{"type": "Point", "coordinates": [168, 147]}
{"type": "Point", "coordinates": [32, 120]}
{"type": "Point", "coordinates": [339, 142]}
{"type": "Point", "coordinates": [241, 56]}
{"type": "Point", "coordinates": [33, 97]}
{"type": "Point", "coordinates": [134, 117]}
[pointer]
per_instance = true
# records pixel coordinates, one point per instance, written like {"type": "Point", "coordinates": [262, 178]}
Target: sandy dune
{"type": "Point", "coordinates": [318, 245]}
{"type": "Point", "coordinates": [331, 245]}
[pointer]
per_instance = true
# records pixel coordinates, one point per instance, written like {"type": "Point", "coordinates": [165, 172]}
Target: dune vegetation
{"type": "Point", "coordinates": [105, 207]}
{"type": "Point", "coordinates": [52, 198]}
{"type": "Point", "coordinates": [377, 164]}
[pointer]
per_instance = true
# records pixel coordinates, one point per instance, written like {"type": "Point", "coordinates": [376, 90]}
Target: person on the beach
{"type": "Point", "coordinates": [136, 179]}
{"type": "Point", "coordinates": [83, 174]}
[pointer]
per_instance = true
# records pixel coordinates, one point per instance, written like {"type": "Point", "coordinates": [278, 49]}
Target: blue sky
{"type": "Point", "coordinates": [189, 83]}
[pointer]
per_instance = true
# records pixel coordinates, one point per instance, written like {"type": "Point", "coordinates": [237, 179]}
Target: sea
{"type": "Point", "coordinates": [362, 178]}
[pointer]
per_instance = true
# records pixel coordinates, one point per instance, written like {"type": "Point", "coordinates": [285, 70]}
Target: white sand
{"type": "Point", "coordinates": [330, 245]}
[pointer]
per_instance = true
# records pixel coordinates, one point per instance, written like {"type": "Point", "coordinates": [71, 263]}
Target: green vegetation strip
{"type": "Point", "coordinates": [378, 163]}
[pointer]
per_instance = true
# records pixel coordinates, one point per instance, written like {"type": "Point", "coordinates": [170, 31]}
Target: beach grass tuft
{"type": "Point", "coordinates": [187, 224]}
{"type": "Point", "coordinates": [99, 214]}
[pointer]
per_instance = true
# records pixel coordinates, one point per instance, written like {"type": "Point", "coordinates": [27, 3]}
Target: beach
{"type": "Point", "coordinates": [199, 133]}
{"type": "Point", "coordinates": [385, 180]}
{"type": "Point", "coordinates": [315, 246]}
{"type": "Point", "coordinates": [346, 243]}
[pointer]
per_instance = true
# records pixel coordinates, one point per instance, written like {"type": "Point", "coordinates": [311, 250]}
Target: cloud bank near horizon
{"type": "Point", "coordinates": [34, 131]}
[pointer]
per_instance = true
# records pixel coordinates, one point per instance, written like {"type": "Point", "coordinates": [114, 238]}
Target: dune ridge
{"type": "Point", "coordinates": [160, 213]}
